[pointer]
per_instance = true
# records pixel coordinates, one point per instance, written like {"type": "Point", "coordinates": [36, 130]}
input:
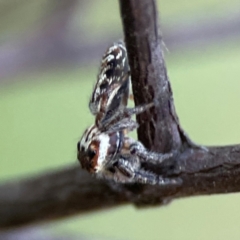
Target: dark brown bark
{"type": "Point", "coordinates": [58, 194]}
{"type": "Point", "coordinates": [149, 76]}
{"type": "Point", "coordinates": [71, 191]}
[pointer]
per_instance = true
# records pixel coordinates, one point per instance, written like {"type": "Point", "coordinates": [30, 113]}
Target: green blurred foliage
{"type": "Point", "coordinates": [44, 113]}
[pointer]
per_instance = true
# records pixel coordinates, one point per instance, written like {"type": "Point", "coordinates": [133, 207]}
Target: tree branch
{"type": "Point", "coordinates": [149, 76]}
{"type": "Point", "coordinates": [71, 191]}
{"type": "Point", "coordinates": [54, 195]}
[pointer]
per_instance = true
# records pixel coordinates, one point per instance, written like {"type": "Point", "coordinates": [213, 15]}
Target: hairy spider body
{"type": "Point", "coordinates": [105, 148]}
{"type": "Point", "coordinates": [96, 147]}
{"type": "Point", "coordinates": [111, 91]}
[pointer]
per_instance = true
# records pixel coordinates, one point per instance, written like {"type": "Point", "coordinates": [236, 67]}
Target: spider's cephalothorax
{"type": "Point", "coordinates": [105, 148]}
{"type": "Point", "coordinates": [96, 147]}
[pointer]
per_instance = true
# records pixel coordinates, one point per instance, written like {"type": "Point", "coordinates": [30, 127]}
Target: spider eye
{"type": "Point", "coordinates": [91, 153]}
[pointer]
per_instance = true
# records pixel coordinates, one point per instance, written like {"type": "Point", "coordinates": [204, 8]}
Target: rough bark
{"type": "Point", "coordinates": [70, 191]}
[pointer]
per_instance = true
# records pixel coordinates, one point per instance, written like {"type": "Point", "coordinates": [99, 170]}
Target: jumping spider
{"type": "Point", "coordinates": [105, 148]}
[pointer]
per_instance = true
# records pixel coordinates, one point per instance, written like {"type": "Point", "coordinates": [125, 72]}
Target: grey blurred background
{"type": "Point", "coordinates": [49, 57]}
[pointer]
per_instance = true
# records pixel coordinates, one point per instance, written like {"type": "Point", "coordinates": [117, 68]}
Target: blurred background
{"type": "Point", "coordinates": [49, 57]}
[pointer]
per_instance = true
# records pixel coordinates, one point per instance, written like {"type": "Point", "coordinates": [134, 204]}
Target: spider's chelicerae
{"type": "Point", "coordinates": [105, 148]}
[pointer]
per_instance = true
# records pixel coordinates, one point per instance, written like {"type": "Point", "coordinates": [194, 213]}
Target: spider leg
{"type": "Point", "coordinates": [136, 175]}
{"type": "Point", "coordinates": [136, 110]}
{"type": "Point", "coordinates": [137, 148]}
{"type": "Point", "coordinates": [124, 113]}
{"type": "Point", "coordinates": [125, 124]}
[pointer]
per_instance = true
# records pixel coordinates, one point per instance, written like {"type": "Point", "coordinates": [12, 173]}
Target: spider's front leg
{"type": "Point", "coordinates": [123, 113]}
{"type": "Point", "coordinates": [137, 148]}
{"type": "Point", "coordinates": [134, 174]}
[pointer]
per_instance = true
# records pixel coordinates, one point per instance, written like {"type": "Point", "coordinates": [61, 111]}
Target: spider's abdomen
{"type": "Point", "coordinates": [114, 71]}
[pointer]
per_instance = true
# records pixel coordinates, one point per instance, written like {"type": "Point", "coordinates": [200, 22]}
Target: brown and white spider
{"type": "Point", "coordinates": [105, 148]}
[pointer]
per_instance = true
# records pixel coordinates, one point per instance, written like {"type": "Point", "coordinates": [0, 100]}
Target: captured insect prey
{"type": "Point", "coordinates": [105, 148]}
